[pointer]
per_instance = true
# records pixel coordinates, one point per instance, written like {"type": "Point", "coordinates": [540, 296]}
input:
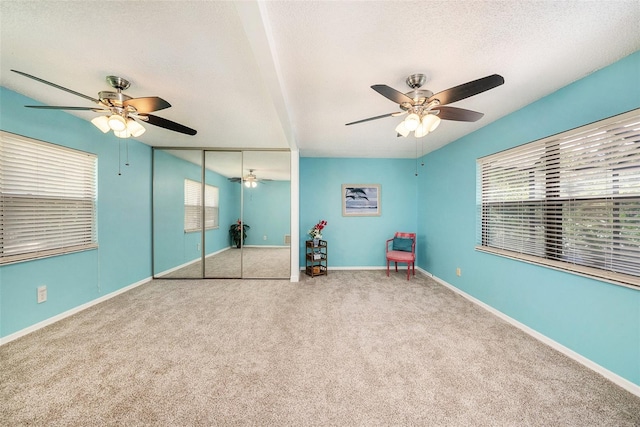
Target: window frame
{"type": "Point", "coordinates": [556, 197]}
{"type": "Point", "coordinates": [48, 199]}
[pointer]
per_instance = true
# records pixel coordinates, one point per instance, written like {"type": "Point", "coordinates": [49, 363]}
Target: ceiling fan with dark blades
{"type": "Point", "coordinates": [122, 113]}
{"type": "Point", "coordinates": [425, 109]}
{"type": "Point", "coordinates": [250, 180]}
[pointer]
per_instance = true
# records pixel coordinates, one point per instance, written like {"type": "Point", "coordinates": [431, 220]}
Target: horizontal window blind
{"type": "Point", "coordinates": [571, 201]}
{"type": "Point", "coordinates": [47, 199]}
{"type": "Point", "coordinates": [193, 206]}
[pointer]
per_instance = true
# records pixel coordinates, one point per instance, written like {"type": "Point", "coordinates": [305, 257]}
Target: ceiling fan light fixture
{"type": "Point", "coordinates": [431, 122]}
{"type": "Point", "coordinates": [402, 129]}
{"type": "Point", "coordinates": [412, 121]}
{"type": "Point", "coordinates": [250, 184]}
{"type": "Point", "coordinates": [135, 128]}
{"type": "Point", "coordinates": [117, 123]}
{"type": "Point", "coordinates": [122, 133]}
{"type": "Point", "coordinates": [421, 130]}
{"type": "Point", "coordinates": [102, 123]}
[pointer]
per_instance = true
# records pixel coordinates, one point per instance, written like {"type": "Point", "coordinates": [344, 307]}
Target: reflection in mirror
{"type": "Point", "coordinates": [266, 201]}
{"type": "Point", "coordinates": [251, 186]}
{"type": "Point", "coordinates": [177, 239]}
{"type": "Point", "coordinates": [222, 201]}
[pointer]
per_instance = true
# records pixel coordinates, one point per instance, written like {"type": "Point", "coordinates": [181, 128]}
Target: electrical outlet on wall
{"type": "Point", "coordinates": [42, 294]}
{"type": "Point", "coordinates": [264, 237]}
{"type": "Point", "coordinates": [458, 272]}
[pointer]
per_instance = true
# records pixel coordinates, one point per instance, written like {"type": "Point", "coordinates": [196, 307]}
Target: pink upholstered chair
{"type": "Point", "coordinates": [403, 249]}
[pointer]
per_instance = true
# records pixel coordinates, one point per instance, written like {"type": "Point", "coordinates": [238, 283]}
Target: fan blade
{"type": "Point", "coordinates": [53, 107]}
{"type": "Point", "coordinates": [97, 101]}
{"type": "Point", "coordinates": [147, 104]}
{"type": "Point", "coordinates": [374, 118]}
{"type": "Point", "coordinates": [458, 114]}
{"type": "Point", "coordinates": [468, 89]}
{"type": "Point", "coordinates": [167, 124]}
{"type": "Point", "coordinates": [392, 94]}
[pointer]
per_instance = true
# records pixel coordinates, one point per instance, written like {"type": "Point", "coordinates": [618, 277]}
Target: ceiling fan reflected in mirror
{"type": "Point", "coordinates": [250, 180]}
{"type": "Point", "coordinates": [425, 110]}
{"type": "Point", "coordinates": [120, 113]}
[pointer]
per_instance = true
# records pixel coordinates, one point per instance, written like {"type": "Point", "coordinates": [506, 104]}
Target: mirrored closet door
{"type": "Point", "coordinates": [266, 208]}
{"type": "Point", "coordinates": [221, 214]}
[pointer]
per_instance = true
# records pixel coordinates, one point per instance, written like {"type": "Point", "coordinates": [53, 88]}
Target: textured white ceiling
{"type": "Point", "coordinates": [284, 74]}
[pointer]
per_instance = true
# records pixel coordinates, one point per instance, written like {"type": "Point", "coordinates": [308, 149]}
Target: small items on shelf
{"type": "Point", "coordinates": [316, 257]}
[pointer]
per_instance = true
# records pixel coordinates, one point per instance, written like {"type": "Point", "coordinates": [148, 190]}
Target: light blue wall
{"type": "Point", "coordinates": [267, 210]}
{"type": "Point", "coordinates": [124, 227]}
{"type": "Point", "coordinates": [172, 246]}
{"type": "Point", "coordinates": [600, 321]}
{"type": "Point", "coordinates": [356, 241]}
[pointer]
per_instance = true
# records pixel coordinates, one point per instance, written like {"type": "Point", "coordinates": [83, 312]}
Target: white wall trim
{"type": "Point", "coordinates": [611, 376]}
{"type": "Point", "coordinates": [70, 312]}
{"type": "Point", "coordinates": [171, 270]}
{"type": "Point", "coordinates": [295, 215]}
{"type": "Point", "coordinates": [264, 246]}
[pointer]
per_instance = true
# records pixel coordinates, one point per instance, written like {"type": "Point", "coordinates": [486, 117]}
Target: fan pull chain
{"type": "Point", "coordinates": [416, 154]}
{"type": "Point", "coordinates": [119, 161]}
{"type": "Point", "coordinates": [422, 154]}
{"type": "Point", "coordinates": [127, 143]}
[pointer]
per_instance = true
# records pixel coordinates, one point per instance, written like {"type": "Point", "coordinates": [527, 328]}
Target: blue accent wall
{"type": "Point", "coordinates": [124, 228]}
{"type": "Point", "coordinates": [598, 320]}
{"type": "Point", "coordinates": [356, 241]}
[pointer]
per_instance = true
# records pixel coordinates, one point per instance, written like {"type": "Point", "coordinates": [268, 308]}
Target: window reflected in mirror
{"type": "Point", "coordinates": [221, 214]}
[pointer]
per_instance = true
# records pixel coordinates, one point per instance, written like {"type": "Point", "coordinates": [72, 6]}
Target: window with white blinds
{"type": "Point", "coordinates": [47, 199]}
{"type": "Point", "coordinates": [570, 201]}
{"type": "Point", "coordinates": [193, 206]}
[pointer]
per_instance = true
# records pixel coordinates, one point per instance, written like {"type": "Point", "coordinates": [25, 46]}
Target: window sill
{"type": "Point", "coordinates": [619, 279]}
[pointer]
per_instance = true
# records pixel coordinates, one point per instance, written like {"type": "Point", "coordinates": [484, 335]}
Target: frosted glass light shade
{"type": "Point", "coordinates": [102, 123]}
{"type": "Point", "coordinates": [402, 129]}
{"type": "Point", "coordinates": [250, 184]}
{"type": "Point", "coordinates": [117, 123]}
{"type": "Point", "coordinates": [421, 130]}
{"type": "Point", "coordinates": [412, 121]}
{"type": "Point", "coordinates": [135, 128]}
{"type": "Point", "coordinates": [122, 133]}
{"type": "Point", "coordinates": [431, 121]}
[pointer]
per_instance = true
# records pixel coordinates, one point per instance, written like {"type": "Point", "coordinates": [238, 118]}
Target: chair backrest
{"type": "Point", "coordinates": [403, 235]}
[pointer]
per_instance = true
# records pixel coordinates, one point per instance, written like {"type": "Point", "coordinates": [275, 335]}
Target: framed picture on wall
{"type": "Point", "coordinates": [361, 200]}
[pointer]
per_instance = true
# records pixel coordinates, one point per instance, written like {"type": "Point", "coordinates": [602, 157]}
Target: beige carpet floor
{"type": "Point", "coordinates": [349, 349]}
{"type": "Point", "coordinates": [250, 262]}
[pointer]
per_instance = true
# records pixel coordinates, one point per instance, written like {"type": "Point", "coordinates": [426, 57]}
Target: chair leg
{"type": "Point", "coordinates": [396, 266]}
{"type": "Point", "coordinates": [408, 270]}
{"type": "Point", "coordinates": [387, 268]}
{"type": "Point", "coordinates": [413, 264]}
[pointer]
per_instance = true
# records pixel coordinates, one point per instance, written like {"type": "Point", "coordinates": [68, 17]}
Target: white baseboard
{"type": "Point", "coordinates": [171, 270]}
{"type": "Point", "coordinates": [611, 376]}
{"type": "Point", "coordinates": [70, 312]}
{"type": "Point", "coordinates": [266, 246]}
